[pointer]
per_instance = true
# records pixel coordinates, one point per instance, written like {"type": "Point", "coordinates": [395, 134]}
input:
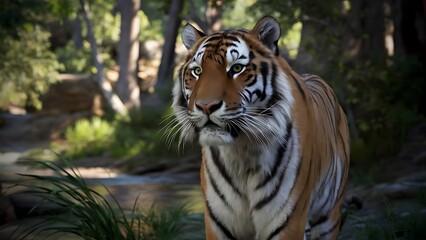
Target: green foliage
{"type": "Point", "coordinates": [118, 136]}
{"type": "Point", "coordinates": [172, 223]}
{"type": "Point", "coordinates": [387, 100]}
{"type": "Point", "coordinates": [89, 214]}
{"type": "Point", "coordinates": [235, 15]}
{"type": "Point", "coordinates": [74, 60]}
{"type": "Point", "coordinates": [89, 137]}
{"type": "Point", "coordinates": [106, 24]}
{"type": "Point", "coordinates": [286, 13]}
{"type": "Point", "coordinates": [18, 14]}
{"type": "Point", "coordinates": [27, 67]}
{"type": "Point", "coordinates": [151, 29]}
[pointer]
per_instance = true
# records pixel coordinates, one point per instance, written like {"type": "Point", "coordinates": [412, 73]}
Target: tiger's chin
{"type": "Point", "coordinates": [214, 136]}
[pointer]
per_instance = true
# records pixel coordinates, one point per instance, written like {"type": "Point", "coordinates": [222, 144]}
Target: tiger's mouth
{"type": "Point", "coordinates": [211, 125]}
{"type": "Point", "coordinates": [211, 134]}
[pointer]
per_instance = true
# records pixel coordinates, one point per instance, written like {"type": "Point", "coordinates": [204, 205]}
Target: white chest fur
{"type": "Point", "coordinates": [248, 186]}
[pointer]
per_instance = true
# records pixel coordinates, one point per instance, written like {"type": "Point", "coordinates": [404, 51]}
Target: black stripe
{"type": "Point", "coordinates": [232, 38]}
{"type": "Point", "coordinates": [320, 220]}
{"type": "Point", "coordinates": [258, 93]}
{"type": "Point", "coordinates": [230, 44]}
{"type": "Point", "coordinates": [208, 45]}
{"type": "Point", "coordinates": [278, 229]}
{"type": "Point", "coordinates": [276, 96]}
{"type": "Point", "coordinates": [264, 70]}
{"type": "Point", "coordinates": [252, 82]}
{"type": "Point", "coordinates": [247, 99]}
{"type": "Point", "coordinates": [284, 224]}
{"type": "Point", "coordinates": [198, 54]}
{"type": "Point", "coordinates": [277, 187]}
{"type": "Point", "coordinates": [329, 230]}
{"type": "Point", "coordinates": [278, 159]}
{"type": "Point", "coordinates": [216, 188]}
{"type": "Point", "coordinates": [251, 56]}
{"type": "Point", "coordinates": [219, 223]}
{"type": "Point", "coordinates": [218, 163]}
{"type": "Point", "coordinates": [213, 38]}
{"type": "Point", "coordinates": [273, 194]}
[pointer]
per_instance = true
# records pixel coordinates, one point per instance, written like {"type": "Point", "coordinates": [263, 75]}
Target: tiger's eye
{"type": "Point", "coordinates": [197, 70]}
{"type": "Point", "coordinates": [236, 68]}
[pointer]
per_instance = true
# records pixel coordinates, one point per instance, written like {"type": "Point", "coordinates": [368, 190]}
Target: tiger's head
{"type": "Point", "coordinates": [233, 86]}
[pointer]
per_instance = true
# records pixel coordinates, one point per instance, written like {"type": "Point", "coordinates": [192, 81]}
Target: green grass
{"type": "Point", "coordinates": [87, 214]}
{"type": "Point", "coordinates": [89, 137]}
{"type": "Point", "coordinates": [139, 132]}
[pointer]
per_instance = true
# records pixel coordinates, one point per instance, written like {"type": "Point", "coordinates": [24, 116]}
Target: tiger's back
{"type": "Point", "coordinates": [274, 143]}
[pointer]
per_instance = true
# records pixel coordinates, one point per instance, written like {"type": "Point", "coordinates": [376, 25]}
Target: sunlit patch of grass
{"type": "Point", "coordinates": [89, 137]}
{"type": "Point", "coordinates": [137, 133]}
{"type": "Point", "coordinates": [87, 214]}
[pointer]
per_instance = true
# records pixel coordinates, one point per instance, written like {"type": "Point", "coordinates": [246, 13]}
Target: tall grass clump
{"type": "Point", "coordinates": [87, 214]}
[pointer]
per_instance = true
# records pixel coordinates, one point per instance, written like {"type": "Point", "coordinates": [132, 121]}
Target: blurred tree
{"type": "Point", "coordinates": [27, 67]}
{"type": "Point", "coordinates": [128, 53]}
{"type": "Point", "coordinates": [14, 15]}
{"type": "Point", "coordinates": [207, 14]}
{"type": "Point", "coordinates": [106, 88]}
{"type": "Point", "coordinates": [165, 71]}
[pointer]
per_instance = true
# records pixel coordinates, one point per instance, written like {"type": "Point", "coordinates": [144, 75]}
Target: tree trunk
{"type": "Point", "coordinates": [77, 36]}
{"type": "Point", "coordinates": [370, 28]}
{"type": "Point", "coordinates": [106, 88]}
{"type": "Point", "coordinates": [210, 21]}
{"type": "Point", "coordinates": [128, 53]}
{"type": "Point", "coordinates": [214, 16]}
{"type": "Point", "coordinates": [165, 71]}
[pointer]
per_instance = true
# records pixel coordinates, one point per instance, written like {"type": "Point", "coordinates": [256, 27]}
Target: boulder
{"type": "Point", "coordinates": [73, 93]}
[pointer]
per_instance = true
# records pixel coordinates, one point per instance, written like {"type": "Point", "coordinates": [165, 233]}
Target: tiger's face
{"type": "Point", "coordinates": [230, 86]}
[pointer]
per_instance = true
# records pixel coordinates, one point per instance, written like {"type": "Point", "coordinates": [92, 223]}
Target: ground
{"type": "Point", "coordinates": [393, 195]}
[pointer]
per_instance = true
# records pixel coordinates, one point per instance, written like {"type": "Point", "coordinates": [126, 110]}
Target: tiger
{"type": "Point", "coordinates": [274, 144]}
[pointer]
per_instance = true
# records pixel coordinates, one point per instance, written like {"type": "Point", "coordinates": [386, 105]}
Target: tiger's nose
{"type": "Point", "coordinates": [208, 106]}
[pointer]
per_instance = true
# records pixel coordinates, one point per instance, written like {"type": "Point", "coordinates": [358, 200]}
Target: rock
{"type": "Point", "coordinates": [73, 93]}
{"type": "Point", "coordinates": [414, 148]}
{"type": "Point", "coordinates": [36, 128]}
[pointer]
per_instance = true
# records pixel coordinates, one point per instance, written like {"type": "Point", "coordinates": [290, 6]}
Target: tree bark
{"type": "Point", "coordinates": [128, 53]}
{"type": "Point", "coordinates": [210, 21]}
{"type": "Point", "coordinates": [77, 36]}
{"type": "Point", "coordinates": [214, 16]}
{"type": "Point", "coordinates": [370, 28]}
{"type": "Point", "coordinates": [165, 71]}
{"type": "Point", "coordinates": [106, 88]}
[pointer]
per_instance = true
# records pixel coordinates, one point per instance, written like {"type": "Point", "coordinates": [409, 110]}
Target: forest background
{"type": "Point", "coordinates": [120, 57]}
{"type": "Point", "coordinates": [371, 52]}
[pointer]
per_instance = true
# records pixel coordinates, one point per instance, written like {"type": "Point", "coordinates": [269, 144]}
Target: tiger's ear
{"type": "Point", "coordinates": [268, 31]}
{"type": "Point", "coordinates": [190, 35]}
